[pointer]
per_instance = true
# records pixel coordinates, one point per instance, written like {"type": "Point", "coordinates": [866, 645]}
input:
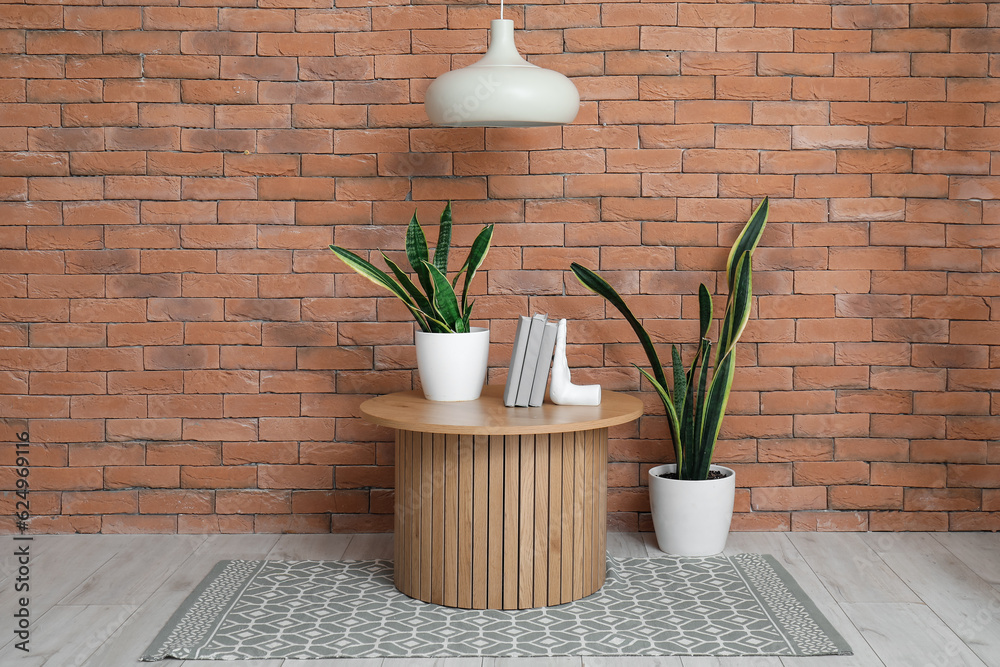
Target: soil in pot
{"type": "Point", "coordinates": [712, 474]}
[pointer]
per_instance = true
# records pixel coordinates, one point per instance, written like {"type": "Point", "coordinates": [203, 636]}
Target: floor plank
{"type": "Point", "coordinates": [652, 549]}
{"type": "Point", "coordinates": [850, 570]}
{"type": "Point", "coordinates": [138, 568]}
{"type": "Point", "coordinates": [310, 547]}
{"type": "Point", "coordinates": [956, 594]}
{"type": "Point", "coordinates": [910, 634]}
{"type": "Point", "coordinates": [979, 551]}
{"type": "Point", "coordinates": [370, 546]}
{"type": "Point", "coordinates": [626, 545]}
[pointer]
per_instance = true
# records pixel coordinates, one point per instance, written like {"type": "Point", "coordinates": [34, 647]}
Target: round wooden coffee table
{"type": "Point", "coordinates": [497, 507]}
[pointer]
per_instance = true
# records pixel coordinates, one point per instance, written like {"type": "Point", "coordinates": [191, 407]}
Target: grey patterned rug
{"type": "Point", "coordinates": [746, 605]}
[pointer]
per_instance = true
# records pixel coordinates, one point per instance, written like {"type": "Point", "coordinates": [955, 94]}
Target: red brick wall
{"type": "Point", "coordinates": [188, 357]}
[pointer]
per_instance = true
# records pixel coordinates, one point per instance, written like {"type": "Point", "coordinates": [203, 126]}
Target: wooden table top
{"type": "Point", "coordinates": [410, 411]}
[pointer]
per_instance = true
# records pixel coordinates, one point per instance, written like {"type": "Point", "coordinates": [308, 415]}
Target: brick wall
{"type": "Point", "coordinates": [187, 356]}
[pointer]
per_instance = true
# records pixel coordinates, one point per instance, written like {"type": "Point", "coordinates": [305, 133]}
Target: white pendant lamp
{"type": "Point", "coordinates": [502, 89]}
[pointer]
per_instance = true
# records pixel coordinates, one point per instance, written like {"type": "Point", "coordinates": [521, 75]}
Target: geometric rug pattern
{"type": "Point", "coordinates": [746, 605]}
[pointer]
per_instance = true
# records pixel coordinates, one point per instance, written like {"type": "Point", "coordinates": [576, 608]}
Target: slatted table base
{"type": "Point", "coordinates": [500, 521]}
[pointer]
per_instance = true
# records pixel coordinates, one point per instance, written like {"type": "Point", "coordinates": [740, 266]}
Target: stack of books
{"type": "Point", "coordinates": [530, 361]}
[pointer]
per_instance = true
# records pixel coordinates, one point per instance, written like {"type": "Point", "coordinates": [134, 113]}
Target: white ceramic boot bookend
{"type": "Point", "coordinates": [561, 390]}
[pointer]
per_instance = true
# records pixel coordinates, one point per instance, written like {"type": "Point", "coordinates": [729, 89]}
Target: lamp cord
{"type": "Point", "coordinates": [501, 10]}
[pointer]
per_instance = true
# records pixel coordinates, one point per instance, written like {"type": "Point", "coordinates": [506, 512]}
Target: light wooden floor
{"type": "Point", "coordinates": [908, 599]}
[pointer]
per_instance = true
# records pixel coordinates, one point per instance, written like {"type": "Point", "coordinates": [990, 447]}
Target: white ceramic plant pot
{"type": "Point", "coordinates": [452, 366]}
{"type": "Point", "coordinates": [691, 517]}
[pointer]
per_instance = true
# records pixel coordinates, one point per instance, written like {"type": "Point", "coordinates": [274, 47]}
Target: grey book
{"type": "Point", "coordinates": [530, 359]}
{"type": "Point", "coordinates": [543, 365]}
{"type": "Point", "coordinates": [516, 361]}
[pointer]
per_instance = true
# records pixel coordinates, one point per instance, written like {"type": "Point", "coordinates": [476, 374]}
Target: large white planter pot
{"type": "Point", "coordinates": [691, 517]}
{"type": "Point", "coordinates": [452, 366]}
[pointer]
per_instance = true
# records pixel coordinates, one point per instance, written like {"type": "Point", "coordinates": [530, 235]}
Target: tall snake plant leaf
{"type": "Point", "coordinates": [599, 286]}
{"type": "Point", "coordinates": [681, 397]}
{"type": "Point", "coordinates": [742, 296]}
{"type": "Point", "coordinates": [702, 364]}
{"type": "Point", "coordinates": [680, 380]}
{"type": "Point", "coordinates": [702, 361]}
{"type": "Point", "coordinates": [477, 254]}
{"type": "Point", "coordinates": [468, 315]}
{"type": "Point", "coordinates": [704, 311]}
{"type": "Point", "coordinates": [445, 300]}
{"type": "Point", "coordinates": [416, 253]}
{"type": "Point", "coordinates": [673, 420]}
{"type": "Point", "coordinates": [700, 358]}
{"type": "Point", "coordinates": [687, 416]}
{"type": "Point", "coordinates": [735, 319]}
{"type": "Point", "coordinates": [737, 308]}
{"type": "Point", "coordinates": [747, 240]}
{"type": "Point", "coordinates": [715, 409]}
{"type": "Point", "coordinates": [444, 240]}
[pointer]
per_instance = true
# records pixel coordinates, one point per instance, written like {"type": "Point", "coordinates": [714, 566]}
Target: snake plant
{"type": "Point", "coordinates": [437, 308]}
{"type": "Point", "coordinates": [697, 403]}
